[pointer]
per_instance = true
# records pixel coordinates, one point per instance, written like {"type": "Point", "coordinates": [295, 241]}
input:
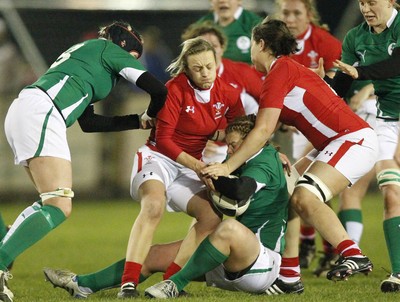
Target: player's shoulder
{"type": "Point", "coordinates": [324, 36]}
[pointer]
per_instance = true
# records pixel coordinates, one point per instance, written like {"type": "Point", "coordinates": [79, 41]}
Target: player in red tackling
{"type": "Point", "coordinates": [296, 96]}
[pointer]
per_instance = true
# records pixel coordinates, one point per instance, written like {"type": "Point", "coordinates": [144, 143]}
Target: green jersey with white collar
{"type": "Point", "coordinates": [362, 47]}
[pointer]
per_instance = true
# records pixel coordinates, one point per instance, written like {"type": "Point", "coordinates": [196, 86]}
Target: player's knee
{"type": "Point", "coordinates": [316, 186]}
{"type": "Point", "coordinates": [388, 177]}
{"type": "Point", "coordinates": [152, 209]}
{"type": "Point", "coordinates": [227, 229]}
{"type": "Point", "coordinates": [60, 198]}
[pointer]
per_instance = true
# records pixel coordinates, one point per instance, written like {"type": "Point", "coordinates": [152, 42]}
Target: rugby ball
{"type": "Point", "coordinates": [227, 206]}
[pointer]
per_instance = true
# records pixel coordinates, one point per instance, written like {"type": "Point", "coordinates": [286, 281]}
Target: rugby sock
{"type": "Point", "coordinates": [3, 228]}
{"type": "Point", "coordinates": [392, 235]}
{"type": "Point", "coordinates": [131, 272]}
{"type": "Point", "coordinates": [351, 219]}
{"type": "Point", "coordinates": [307, 233]}
{"type": "Point", "coordinates": [328, 248]}
{"type": "Point", "coordinates": [172, 269]}
{"type": "Point", "coordinates": [31, 225]}
{"type": "Point", "coordinates": [290, 270]}
{"type": "Point", "coordinates": [348, 248]}
{"type": "Point", "coordinates": [204, 259]}
{"type": "Point", "coordinates": [106, 278]}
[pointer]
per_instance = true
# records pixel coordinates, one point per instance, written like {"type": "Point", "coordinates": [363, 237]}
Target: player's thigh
{"type": "Point", "coordinates": [243, 244]}
{"type": "Point", "coordinates": [35, 128]}
{"type": "Point", "coordinates": [183, 190]}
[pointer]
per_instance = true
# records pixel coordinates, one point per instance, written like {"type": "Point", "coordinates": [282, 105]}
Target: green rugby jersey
{"type": "Point", "coordinates": [267, 213]}
{"type": "Point", "coordinates": [85, 74]}
{"type": "Point", "coordinates": [238, 34]}
{"type": "Point", "coordinates": [363, 47]}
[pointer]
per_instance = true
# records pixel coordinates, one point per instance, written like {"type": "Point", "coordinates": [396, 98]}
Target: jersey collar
{"type": "Point", "coordinates": [237, 14]}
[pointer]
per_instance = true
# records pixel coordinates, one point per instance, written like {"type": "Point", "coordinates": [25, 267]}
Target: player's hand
{"type": "Point", "coordinates": [287, 166]}
{"type": "Point", "coordinates": [146, 122]}
{"type": "Point", "coordinates": [320, 69]}
{"type": "Point", "coordinates": [214, 170]}
{"type": "Point", "coordinates": [346, 68]}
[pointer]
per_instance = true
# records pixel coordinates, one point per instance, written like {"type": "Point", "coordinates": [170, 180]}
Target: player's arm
{"type": "Point", "coordinates": [385, 69]}
{"type": "Point", "coordinates": [156, 90]}
{"type": "Point", "coordinates": [235, 188]}
{"type": "Point", "coordinates": [91, 122]}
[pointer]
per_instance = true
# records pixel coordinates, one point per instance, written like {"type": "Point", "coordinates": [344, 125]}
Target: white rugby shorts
{"type": "Point", "coordinates": [181, 183]}
{"type": "Point", "coordinates": [353, 154]}
{"type": "Point", "coordinates": [34, 128]}
{"type": "Point", "coordinates": [257, 280]}
{"type": "Point", "coordinates": [388, 136]}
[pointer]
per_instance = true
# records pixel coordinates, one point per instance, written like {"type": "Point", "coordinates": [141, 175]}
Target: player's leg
{"type": "Point", "coordinates": [49, 173]}
{"type": "Point", "coordinates": [231, 243]}
{"type": "Point", "coordinates": [338, 165]}
{"type": "Point", "coordinates": [199, 207]}
{"type": "Point", "coordinates": [152, 201]}
{"type": "Point", "coordinates": [83, 285]}
{"type": "Point", "coordinates": [388, 177]}
{"type": "Point", "coordinates": [350, 206]}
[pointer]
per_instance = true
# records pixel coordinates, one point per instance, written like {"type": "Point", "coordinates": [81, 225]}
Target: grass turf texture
{"type": "Point", "coordinates": [97, 232]}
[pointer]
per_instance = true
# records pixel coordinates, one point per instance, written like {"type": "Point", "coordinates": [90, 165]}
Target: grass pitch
{"type": "Point", "coordinates": [97, 232]}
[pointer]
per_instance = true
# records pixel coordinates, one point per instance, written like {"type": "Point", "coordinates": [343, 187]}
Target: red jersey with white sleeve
{"type": "Point", "coordinates": [308, 103]}
{"type": "Point", "coordinates": [190, 116]}
{"type": "Point", "coordinates": [242, 76]}
{"type": "Point", "coordinates": [317, 43]}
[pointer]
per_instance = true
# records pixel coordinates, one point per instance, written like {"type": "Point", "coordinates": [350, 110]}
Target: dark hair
{"type": "Point", "coordinates": [203, 28]}
{"type": "Point", "coordinates": [124, 35]}
{"type": "Point", "coordinates": [276, 36]}
{"type": "Point", "coordinates": [242, 125]}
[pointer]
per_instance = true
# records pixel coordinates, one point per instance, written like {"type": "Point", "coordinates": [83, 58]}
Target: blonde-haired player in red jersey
{"type": "Point", "coordinates": [165, 171]}
{"type": "Point", "coordinates": [240, 75]}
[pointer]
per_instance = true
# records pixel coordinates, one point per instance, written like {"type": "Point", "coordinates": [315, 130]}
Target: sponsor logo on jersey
{"type": "Point", "coordinates": [361, 55]}
{"type": "Point", "coordinates": [189, 109]}
{"type": "Point", "coordinates": [390, 48]}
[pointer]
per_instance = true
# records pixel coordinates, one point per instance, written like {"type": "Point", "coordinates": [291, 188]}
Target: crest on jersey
{"type": "Point", "coordinates": [218, 107]}
{"type": "Point", "coordinates": [243, 43]}
{"type": "Point", "coordinates": [313, 56]}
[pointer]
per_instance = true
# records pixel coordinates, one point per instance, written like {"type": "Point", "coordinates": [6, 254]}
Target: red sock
{"type": "Point", "coordinates": [348, 248]}
{"type": "Point", "coordinates": [307, 232]}
{"type": "Point", "coordinates": [131, 272]}
{"type": "Point", "coordinates": [172, 269]}
{"type": "Point", "coordinates": [290, 270]}
{"type": "Point", "coordinates": [328, 248]}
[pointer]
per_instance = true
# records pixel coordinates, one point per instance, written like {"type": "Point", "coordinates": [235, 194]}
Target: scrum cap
{"type": "Point", "coordinates": [124, 35]}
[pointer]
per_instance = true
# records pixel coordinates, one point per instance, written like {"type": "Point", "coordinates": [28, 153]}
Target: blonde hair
{"type": "Point", "coordinates": [311, 8]}
{"type": "Point", "coordinates": [207, 27]}
{"type": "Point", "coordinates": [189, 47]}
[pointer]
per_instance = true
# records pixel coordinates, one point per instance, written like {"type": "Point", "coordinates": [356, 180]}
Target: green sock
{"type": "Point", "coordinates": [108, 277]}
{"type": "Point", "coordinates": [204, 259]}
{"type": "Point", "coordinates": [31, 226]}
{"type": "Point", "coordinates": [351, 219]}
{"type": "Point", "coordinates": [392, 236]}
{"type": "Point", "coordinates": [3, 228]}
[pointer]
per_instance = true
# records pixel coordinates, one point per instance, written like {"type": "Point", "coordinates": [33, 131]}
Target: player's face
{"type": "Point", "coordinates": [233, 141]}
{"type": "Point", "coordinates": [258, 57]}
{"type": "Point", "coordinates": [295, 15]}
{"type": "Point", "coordinates": [213, 40]}
{"type": "Point", "coordinates": [225, 9]}
{"type": "Point", "coordinates": [202, 69]}
{"type": "Point", "coordinates": [376, 13]}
